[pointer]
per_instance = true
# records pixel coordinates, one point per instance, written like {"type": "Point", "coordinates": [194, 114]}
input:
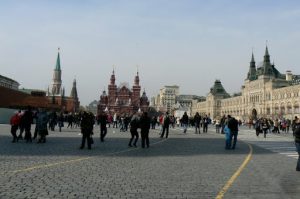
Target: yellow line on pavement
{"type": "Point", "coordinates": [71, 161]}
{"type": "Point", "coordinates": [236, 174]}
{"type": "Point", "coordinates": [49, 165]}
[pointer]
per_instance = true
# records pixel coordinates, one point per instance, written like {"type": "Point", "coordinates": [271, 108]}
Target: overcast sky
{"type": "Point", "coordinates": [188, 43]}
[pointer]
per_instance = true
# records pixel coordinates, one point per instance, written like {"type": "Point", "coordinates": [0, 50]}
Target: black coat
{"type": "Point", "coordinates": [145, 123]}
{"type": "Point", "coordinates": [233, 125]}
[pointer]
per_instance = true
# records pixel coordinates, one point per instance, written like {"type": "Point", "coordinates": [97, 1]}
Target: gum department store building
{"type": "Point", "coordinates": [265, 93]}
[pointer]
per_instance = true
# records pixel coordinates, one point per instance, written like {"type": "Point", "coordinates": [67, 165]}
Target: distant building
{"type": "Point", "coordinates": [265, 93]}
{"type": "Point", "coordinates": [123, 99]}
{"type": "Point", "coordinates": [57, 94]}
{"type": "Point", "coordinates": [166, 98]}
{"type": "Point", "coordinates": [169, 100]}
{"type": "Point", "coordinates": [93, 107]}
{"type": "Point", "coordinates": [9, 83]}
{"type": "Point", "coordinates": [184, 103]}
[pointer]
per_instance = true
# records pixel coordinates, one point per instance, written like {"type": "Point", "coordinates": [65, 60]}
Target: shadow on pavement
{"type": "Point", "coordinates": [69, 146]}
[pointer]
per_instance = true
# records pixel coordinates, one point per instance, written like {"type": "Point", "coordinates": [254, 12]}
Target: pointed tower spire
{"type": "Point", "coordinates": [57, 67]}
{"type": "Point", "coordinates": [74, 90]}
{"type": "Point", "coordinates": [252, 69]}
{"type": "Point", "coordinates": [267, 55]}
{"type": "Point", "coordinates": [267, 67]}
{"type": "Point", "coordinates": [137, 78]}
{"type": "Point", "coordinates": [56, 85]}
{"type": "Point", "coordinates": [112, 78]}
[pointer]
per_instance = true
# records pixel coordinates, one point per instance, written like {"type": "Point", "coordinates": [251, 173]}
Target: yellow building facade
{"type": "Point", "coordinates": [265, 93]}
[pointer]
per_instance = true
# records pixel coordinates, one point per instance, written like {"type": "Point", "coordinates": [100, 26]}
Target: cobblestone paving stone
{"type": "Point", "coordinates": [183, 166]}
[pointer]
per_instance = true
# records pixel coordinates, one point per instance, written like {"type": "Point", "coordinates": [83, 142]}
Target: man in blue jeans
{"type": "Point", "coordinates": [297, 141]}
{"type": "Point", "coordinates": [233, 125]}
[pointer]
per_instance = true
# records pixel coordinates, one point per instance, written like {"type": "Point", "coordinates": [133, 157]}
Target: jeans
{"type": "Point", "coordinates": [184, 127]}
{"type": "Point", "coordinates": [234, 136]}
{"type": "Point", "coordinates": [298, 150]}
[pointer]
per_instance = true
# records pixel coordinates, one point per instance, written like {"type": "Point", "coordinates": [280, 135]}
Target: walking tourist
{"type": "Point", "coordinates": [115, 120]}
{"type": "Point", "coordinates": [185, 122]}
{"type": "Point", "coordinates": [102, 120]}
{"type": "Point", "coordinates": [166, 123]}
{"type": "Point", "coordinates": [134, 124]}
{"type": "Point", "coordinates": [41, 125]}
{"type": "Point", "coordinates": [145, 126]}
{"type": "Point", "coordinates": [265, 126]}
{"type": "Point", "coordinates": [21, 125]}
{"type": "Point", "coordinates": [233, 125]}
{"type": "Point", "coordinates": [197, 119]}
{"type": "Point", "coordinates": [87, 124]}
{"type": "Point", "coordinates": [297, 141]}
{"type": "Point", "coordinates": [205, 124]}
{"type": "Point", "coordinates": [28, 119]}
{"type": "Point", "coordinates": [60, 120]}
{"type": "Point", "coordinates": [14, 122]}
{"type": "Point", "coordinates": [294, 122]}
{"type": "Point", "coordinates": [227, 137]}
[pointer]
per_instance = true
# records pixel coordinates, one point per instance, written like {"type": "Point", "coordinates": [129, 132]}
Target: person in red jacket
{"type": "Point", "coordinates": [14, 122]}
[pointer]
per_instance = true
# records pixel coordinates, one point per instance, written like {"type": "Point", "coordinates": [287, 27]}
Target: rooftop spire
{"type": "Point", "coordinates": [252, 58]}
{"type": "Point", "coordinates": [112, 77]}
{"type": "Point", "coordinates": [57, 67]}
{"type": "Point", "coordinates": [267, 55]}
{"type": "Point", "coordinates": [74, 90]}
{"type": "Point", "coordinates": [137, 79]}
{"type": "Point", "coordinates": [252, 70]}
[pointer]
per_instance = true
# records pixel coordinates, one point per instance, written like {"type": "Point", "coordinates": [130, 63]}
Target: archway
{"type": "Point", "coordinates": [254, 114]}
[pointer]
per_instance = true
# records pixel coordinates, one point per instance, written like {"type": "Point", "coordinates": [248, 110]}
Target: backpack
{"type": "Point", "coordinates": [166, 120]}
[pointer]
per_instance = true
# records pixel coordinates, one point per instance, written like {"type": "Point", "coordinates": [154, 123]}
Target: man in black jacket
{"type": "Point", "coordinates": [102, 120]}
{"type": "Point", "coordinates": [185, 122]}
{"type": "Point", "coordinates": [233, 125]}
{"type": "Point", "coordinates": [297, 141]}
{"type": "Point", "coordinates": [197, 120]}
{"type": "Point", "coordinates": [87, 125]}
{"type": "Point", "coordinates": [145, 126]}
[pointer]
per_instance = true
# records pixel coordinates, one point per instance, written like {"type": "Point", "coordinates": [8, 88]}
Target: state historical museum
{"type": "Point", "coordinates": [122, 99]}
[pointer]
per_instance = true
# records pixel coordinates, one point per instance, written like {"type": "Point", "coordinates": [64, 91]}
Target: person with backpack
{"type": "Point", "coordinates": [134, 124]}
{"type": "Point", "coordinates": [233, 125]}
{"type": "Point", "coordinates": [166, 123]}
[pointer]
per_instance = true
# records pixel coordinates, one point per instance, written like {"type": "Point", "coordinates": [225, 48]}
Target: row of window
{"type": "Point", "coordinates": [4, 84]}
{"type": "Point", "coordinates": [268, 111]}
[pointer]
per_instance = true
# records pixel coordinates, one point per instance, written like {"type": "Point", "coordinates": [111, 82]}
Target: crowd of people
{"type": "Point", "coordinates": [267, 125]}
{"type": "Point", "coordinates": [22, 120]}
